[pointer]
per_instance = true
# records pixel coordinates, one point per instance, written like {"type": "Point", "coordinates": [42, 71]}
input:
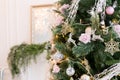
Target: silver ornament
{"type": "Point", "coordinates": [58, 56]}
{"type": "Point", "coordinates": [85, 77]}
{"type": "Point", "coordinates": [70, 71]}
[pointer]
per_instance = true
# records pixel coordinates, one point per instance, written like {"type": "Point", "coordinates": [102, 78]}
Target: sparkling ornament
{"type": "Point", "coordinates": [70, 71]}
{"type": "Point", "coordinates": [85, 77]}
{"type": "Point", "coordinates": [110, 10]}
{"type": "Point", "coordinates": [112, 46]}
{"type": "Point", "coordinates": [105, 30]}
{"type": "Point", "coordinates": [58, 56]}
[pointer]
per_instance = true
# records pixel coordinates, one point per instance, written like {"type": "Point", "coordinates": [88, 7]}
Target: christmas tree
{"type": "Point", "coordinates": [85, 44]}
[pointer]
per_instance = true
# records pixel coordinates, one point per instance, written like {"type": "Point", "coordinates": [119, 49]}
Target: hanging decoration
{"type": "Point", "coordinates": [109, 10]}
{"type": "Point", "coordinates": [70, 71]}
{"type": "Point", "coordinates": [58, 56]}
{"type": "Point", "coordinates": [71, 16]}
{"type": "Point", "coordinates": [112, 46]}
{"type": "Point", "coordinates": [73, 10]}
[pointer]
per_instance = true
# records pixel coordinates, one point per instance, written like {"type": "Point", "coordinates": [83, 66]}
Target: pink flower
{"type": "Point", "coordinates": [85, 38]}
{"type": "Point", "coordinates": [56, 69]}
{"type": "Point", "coordinates": [63, 8]}
{"type": "Point", "coordinates": [59, 20]}
{"type": "Point", "coordinates": [116, 28]}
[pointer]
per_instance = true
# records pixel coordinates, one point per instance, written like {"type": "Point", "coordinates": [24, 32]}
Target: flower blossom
{"type": "Point", "coordinates": [85, 38]}
{"type": "Point", "coordinates": [56, 69]}
{"type": "Point", "coordinates": [63, 8]}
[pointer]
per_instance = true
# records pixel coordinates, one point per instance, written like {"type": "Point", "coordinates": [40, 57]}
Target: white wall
{"type": "Point", "coordinates": [15, 27]}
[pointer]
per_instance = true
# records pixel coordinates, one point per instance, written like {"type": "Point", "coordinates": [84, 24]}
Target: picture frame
{"type": "Point", "coordinates": [42, 18]}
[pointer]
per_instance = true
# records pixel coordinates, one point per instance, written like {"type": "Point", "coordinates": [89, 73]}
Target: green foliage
{"type": "Point", "coordinates": [57, 30]}
{"type": "Point", "coordinates": [78, 28]}
{"type": "Point", "coordinates": [95, 21]}
{"type": "Point", "coordinates": [64, 2]}
{"type": "Point", "coordinates": [82, 49]}
{"type": "Point", "coordinates": [62, 74]}
{"type": "Point", "coordinates": [94, 51]}
{"type": "Point", "coordinates": [20, 56]}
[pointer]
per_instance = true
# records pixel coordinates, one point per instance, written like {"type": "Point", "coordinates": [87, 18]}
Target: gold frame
{"type": "Point", "coordinates": [31, 13]}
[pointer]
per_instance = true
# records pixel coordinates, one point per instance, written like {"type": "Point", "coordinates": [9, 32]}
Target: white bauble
{"type": "Point", "coordinates": [85, 77]}
{"type": "Point", "coordinates": [70, 71]}
{"type": "Point", "coordinates": [58, 56]}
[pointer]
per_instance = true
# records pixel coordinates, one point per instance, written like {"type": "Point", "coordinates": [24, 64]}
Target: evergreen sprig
{"type": "Point", "coordinates": [21, 55]}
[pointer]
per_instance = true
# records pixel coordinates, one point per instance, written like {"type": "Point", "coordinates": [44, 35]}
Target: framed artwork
{"type": "Point", "coordinates": [42, 19]}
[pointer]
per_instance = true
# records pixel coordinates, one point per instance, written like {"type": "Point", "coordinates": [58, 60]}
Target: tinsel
{"type": "Point", "coordinates": [73, 10]}
{"type": "Point", "coordinates": [109, 73]}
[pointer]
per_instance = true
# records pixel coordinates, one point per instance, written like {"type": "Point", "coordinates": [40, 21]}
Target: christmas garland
{"type": "Point", "coordinates": [20, 56]}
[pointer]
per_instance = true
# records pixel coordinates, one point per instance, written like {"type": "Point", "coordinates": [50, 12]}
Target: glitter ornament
{"type": "Point", "coordinates": [85, 77]}
{"type": "Point", "coordinates": [58, 56]}
{"type": "Point", "coordinates": [105, 30]}
{"type": "Point", "coordinates": [109, 10]}
{"type": "Point", "coordinates": [70, 71]}
{"type": "Point", "coordinates": [112, 46]}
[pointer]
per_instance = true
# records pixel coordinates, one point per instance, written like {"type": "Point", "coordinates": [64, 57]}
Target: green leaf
{"type": "Point", "coordinates": [64, 2]}
{"type": "Point", "coordinates": [111, 62]}
{"type": "Point", "coordinates": [82, 49]}
{"type": "Point", "coordinates": [57, 29]}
